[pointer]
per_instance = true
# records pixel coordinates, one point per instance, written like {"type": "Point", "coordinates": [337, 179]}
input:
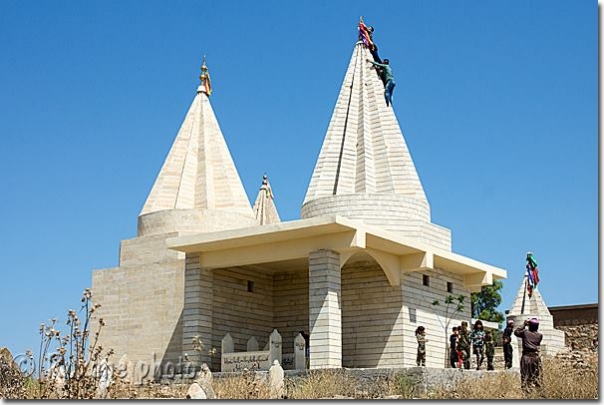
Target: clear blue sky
{"type": "Point", "coordinates": [498, 102]}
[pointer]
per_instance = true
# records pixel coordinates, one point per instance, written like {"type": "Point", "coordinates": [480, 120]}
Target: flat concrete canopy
{"type": "Point", "coordinates": [290, 242]}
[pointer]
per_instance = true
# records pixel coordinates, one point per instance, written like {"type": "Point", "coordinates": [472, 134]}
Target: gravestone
{"type": "Point", "coordinates": [276, 381]}
{"type": "Point", "coordinates": [227, 344]}
{"type": "Point", "coordinates": [105, 373]}
{"type": "Point", "coordinates": [252, 345]}
{"type": "Point", "coordinates": [275, 347]}
{"type": "Point", "coordinates": [205, 373]}
{"type": "Point", "coordinates": [299, 352]}
{"type": "Point", "coordinates": [196, 392]}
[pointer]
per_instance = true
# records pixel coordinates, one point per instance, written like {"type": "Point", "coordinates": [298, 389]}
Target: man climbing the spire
{"type": "Point", "coordinates": [387, 78]}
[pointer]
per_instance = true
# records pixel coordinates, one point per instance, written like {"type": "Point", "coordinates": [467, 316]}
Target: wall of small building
{"type": "Point", "coordinates": [371, 317]}
{"type": "Point", "coordinates": [290, 300]}
{"type": "Point", "coordinates": [578, 322]}
{"type": "Point", "coordinates": [240, 312]}
{"type": "Point", "coordinates": [417, 309]}
{"type": "Point", "coordinates": [142, 301]}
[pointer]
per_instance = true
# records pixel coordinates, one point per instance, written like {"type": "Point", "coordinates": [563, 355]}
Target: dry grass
{"type": "Point", "coordinates": [322, 384]}
{"type": "Point", "coordinates": [571, 381]}
{"type": "Point", "coordinates": [560, 381]}
{"type": "Point", "coordinates": [246, 385]}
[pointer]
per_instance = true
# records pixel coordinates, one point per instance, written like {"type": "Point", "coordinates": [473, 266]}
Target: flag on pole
{"type": "Point", "coordinates": [365, 35]}
{"type": "Point", "coordinates": [532, 273]}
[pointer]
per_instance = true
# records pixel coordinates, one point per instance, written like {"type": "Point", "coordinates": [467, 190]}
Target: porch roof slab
{"type": "Point", "coordinates": [285, 241]}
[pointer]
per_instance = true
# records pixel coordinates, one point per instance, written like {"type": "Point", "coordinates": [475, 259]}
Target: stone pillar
{"type": "Point", "coordinates": [197, 316]}
{"type": "Point", "coordinates": [325, 313]}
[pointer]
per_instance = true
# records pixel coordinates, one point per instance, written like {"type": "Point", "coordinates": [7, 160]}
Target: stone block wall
{"type": "Point", "coordinates": [581, 336]}
{"type": "Point", "coordinates": [240, 312]}
{"type": "Point", "coordinates": [371, 318]}
{"type": "Point", "coordinates": [417, 309]}
{"type": "Point", "coordinates": [290, 298]}
{"type": "Point", "coordinates": [142, 301]}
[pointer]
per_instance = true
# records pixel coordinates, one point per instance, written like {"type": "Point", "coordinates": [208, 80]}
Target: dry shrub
{"type": "Point", "coordinates": [501, 385]}
{"type": "Point", "coordinates": [245, 385]}
{"type": "Point", "coordinates": [560, 381]}
{"type": "Point", "coordinates": [322, 384]}
{"type": "Point", "coordinates": [148, 390]}
{"type": "Point", "coordinates": [403, 385]}
{"type": "Point", "coordinates": [565, 380]}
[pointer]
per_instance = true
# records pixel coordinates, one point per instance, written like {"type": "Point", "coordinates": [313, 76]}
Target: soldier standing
{"type": "Point", "coordinates": [489, 349]}
{"type": "Point", "coordinates": [507, 343]}
{"type": "Point", "coordinates": [477, 338]}
{"type": "Point", "coordinates": [464, 344]}
{"type": "Point", "coordinates": [420, 334]}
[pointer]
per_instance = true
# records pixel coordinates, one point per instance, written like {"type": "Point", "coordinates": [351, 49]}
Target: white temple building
{"type": "Point", "coordinates": [359, 272]}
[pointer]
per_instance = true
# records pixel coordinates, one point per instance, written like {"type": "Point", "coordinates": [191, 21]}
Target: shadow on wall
{"type": "Point", "coordinates": [174, 350]}
{"type": "Point", "coordinates": [370, 310]}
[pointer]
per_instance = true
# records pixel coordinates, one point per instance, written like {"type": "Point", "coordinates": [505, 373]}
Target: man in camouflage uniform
{"type": "Point", "coordinates": [489, 349]}
{"type": "Point", "coordinates": [420, 334]}
{"type": "Point", "coordinates": [464, 344]}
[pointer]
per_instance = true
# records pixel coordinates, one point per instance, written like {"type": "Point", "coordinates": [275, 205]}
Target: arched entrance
{"type": "Point", "coordinates": [372, 330]}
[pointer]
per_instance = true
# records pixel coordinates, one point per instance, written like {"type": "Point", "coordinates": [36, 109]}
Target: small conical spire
{"type": "Point", "coordinates": [264, 207]}
{"type": "Point", "coordinates": [523, 305]}
{"type": "Point", "coordinates": [206, 84]}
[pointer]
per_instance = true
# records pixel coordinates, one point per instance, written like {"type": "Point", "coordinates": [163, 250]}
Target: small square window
{"type": "Point", "coordinates": [426, 280]}
{"type": "Point", "coordinates": [250, 286]}
{"type": "Point", "coordinates": [449, 287]}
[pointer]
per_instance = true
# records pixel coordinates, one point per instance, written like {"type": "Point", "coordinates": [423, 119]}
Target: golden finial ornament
{"type": "Point", "coordinates": [204, 70]}
{"type": "Point", "coordinates": [204, 77]}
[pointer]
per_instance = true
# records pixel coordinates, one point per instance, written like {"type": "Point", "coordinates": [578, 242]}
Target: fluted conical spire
{"type": "Point", "coordinates": [199, 172]}
{"type": "Point", "coordinates": [364, 151]}
{"type": "Point", "coordinates": [364, 170]}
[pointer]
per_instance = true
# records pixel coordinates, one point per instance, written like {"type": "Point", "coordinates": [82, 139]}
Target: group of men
{"type": "Point", "coordinates": [460, 342]}
{"type": "Point", "coordinates": [480, 341]}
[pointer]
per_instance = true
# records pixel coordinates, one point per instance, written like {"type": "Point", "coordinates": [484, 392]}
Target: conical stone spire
{"type": "Point", "coordinates": [198, 187]}
{"type": "Point", "coordinates": [523, 305]}
{"type": "Point", "coordinates": [264, 207]}
{"type": "Point", "coordinates": [525, 308]}
{"type": "Point", "coordinates": [364, 170]}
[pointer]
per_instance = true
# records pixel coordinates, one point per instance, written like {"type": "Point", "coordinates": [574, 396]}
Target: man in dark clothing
{"type": "Point", "coordinates": [530, 362]}
{"type": "Point", "coordinates": [387, 78]}
{"type": "Point", "coordinates": [453, 347]}
{"type": "Point", "coordinates": [507, 343]}
{"type": "Point", "coordinates": [374, 49]}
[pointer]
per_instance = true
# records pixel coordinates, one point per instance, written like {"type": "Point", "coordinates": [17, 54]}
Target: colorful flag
{"type": "Point", "coordinates": [532, 273]}
{"type": "Point", "coordinates": [365, 35]}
